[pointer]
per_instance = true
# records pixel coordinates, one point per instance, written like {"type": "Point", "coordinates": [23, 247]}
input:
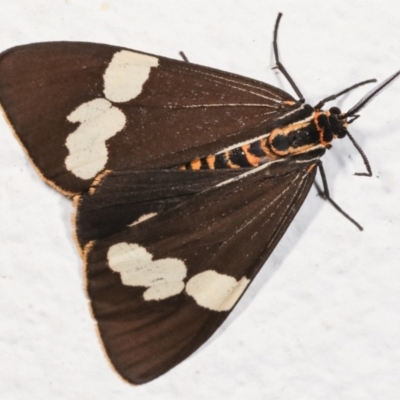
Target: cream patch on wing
{"type": "Point", "coordinates": [163, 278]}
{"type": "Point", "coordinates": [217, 292]}
{"type": "Point", "coordinates": [99, 121]}
{"type": "Point", "coordinates": [126, 74]}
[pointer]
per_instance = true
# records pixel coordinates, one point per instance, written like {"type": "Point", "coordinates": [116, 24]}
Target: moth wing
{"type": "Point", "coordinates": [161, 288]}
{"type": "Point", "coordinates": [81, 108]}
{"type": "Point", "coordinates": [118, 199]}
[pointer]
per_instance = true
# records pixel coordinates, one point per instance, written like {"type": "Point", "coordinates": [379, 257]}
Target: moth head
{"type": "Point", "coordinates": [338, 122]}
{"type": "Point", "coordinates": [341, 120]}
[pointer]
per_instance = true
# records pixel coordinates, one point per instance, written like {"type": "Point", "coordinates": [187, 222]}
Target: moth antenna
{"type": "Point", "coordinates": [361, 104]}
{"type": "Point", "coordinates": [369, 96]}
{"type": "Point", "coordinates": [353, 119]}
{"type": "Point", "coordinates": [183, 55]}
{"type": "Point", "coordinates": [363, 156]}
{"type": "Point", "coordinates": [279, 65]}
{"type": "Point", "coordinates": [335, 96]}
{"type": "Point", "coordinates": [325, 194]}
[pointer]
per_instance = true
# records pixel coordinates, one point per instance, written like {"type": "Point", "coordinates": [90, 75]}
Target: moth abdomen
{"type": "Point", "coordinates": [294, 137]}
{"type": "Point", "coordinates": [250, 155]}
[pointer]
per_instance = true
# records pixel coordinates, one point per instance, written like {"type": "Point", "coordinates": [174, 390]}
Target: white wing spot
{"type": "Point", "coordinates": [217, 292]}
{"type": "Point", "coordinates": [163, 278]}
{"type": "Point", "coordinates": [88, 153]}
{"type": "Point", "coordinates": [125, 76]}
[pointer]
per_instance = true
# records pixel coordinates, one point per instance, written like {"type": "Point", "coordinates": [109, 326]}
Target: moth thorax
{"type": "Point", "coordinates": [320, 129]}
{"type": "Point", "coordinates": [295, 138]}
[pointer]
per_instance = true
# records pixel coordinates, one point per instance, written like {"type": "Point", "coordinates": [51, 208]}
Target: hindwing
{"type": "Point", "coordinates": [160, 288]}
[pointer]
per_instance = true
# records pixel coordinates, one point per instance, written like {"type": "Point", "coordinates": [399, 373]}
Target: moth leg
{"type": "Point", "coordinates": [280, 66]}
{"type": "Point", "coordinates": [325, 194]}
{"type": "Point", "coordinates": [363, 156]}
{"type": "Point", "coordinates": [183, 55]}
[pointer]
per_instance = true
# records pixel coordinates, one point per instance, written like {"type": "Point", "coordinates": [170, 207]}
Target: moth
{"type": "Point", "coordinates": [184, 179]}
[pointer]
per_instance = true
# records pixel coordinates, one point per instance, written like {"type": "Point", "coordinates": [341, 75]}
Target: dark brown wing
{"type": "Point", "coordinates": [121, 198]}
{"type": "Point", "coordinates": [141, 111]}
{"type": "Point", "coordinates": [161, 288]}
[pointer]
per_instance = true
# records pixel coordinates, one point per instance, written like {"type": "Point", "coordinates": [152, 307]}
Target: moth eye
{"type": "Point", "coordinates": [342, 133]}
{"type": "Point", "coordinates": [335, 110]}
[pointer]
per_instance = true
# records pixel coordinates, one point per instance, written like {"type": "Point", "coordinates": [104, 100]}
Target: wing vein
{"type": "Point", "coordinates": [214, 78]}
{"type": "Point", "coordinates": [298, 192]}
{"type": "Point", "coordinates": [262, 211]}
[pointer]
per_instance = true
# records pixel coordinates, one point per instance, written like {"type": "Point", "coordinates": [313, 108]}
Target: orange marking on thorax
{"type": "Point", "coordinates": [251, 158]}
{"type": "Point", "coordinates": [319, 129]}
{"type": "Point", "coordinates": [271, 156]}
{"type": "Point", "coordinates": [229, 163]}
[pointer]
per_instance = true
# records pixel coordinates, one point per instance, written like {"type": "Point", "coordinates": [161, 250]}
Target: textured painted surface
{"type": "Point", "coordinates": [327, 323]}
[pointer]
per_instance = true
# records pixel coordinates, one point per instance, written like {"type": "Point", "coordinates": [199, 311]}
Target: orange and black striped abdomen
{"type": "Point", "coordinates": [250, 155]}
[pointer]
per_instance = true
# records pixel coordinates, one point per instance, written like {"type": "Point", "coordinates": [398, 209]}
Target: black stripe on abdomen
{"type": "Point", "coordinates": [238, 157]}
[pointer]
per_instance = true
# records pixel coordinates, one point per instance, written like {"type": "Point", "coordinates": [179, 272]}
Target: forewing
{"type": "Point", "coordinates": [80, 108]}
{"type": "Point", "coordinates": [161, 288]}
